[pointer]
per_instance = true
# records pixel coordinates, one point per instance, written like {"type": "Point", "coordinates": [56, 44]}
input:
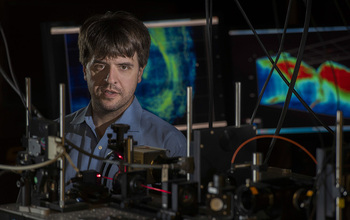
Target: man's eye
{"type": "Point", "coordinates": [98, 67]}
{"type": "Point", "coordinates": [124, 67]}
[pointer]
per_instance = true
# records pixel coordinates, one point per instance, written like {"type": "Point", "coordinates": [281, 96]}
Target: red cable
{"type": "Point", "coordinates": [271, 136]}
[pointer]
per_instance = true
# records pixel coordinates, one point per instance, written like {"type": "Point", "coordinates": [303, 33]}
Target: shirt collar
{"type": "Point", "coordinates": [131, 116]}
{"type": "Point", "coordinates": [81, 114]}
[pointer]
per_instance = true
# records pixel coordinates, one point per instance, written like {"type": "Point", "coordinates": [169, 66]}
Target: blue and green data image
{"type": "Point", "coordinates": [170, 70]}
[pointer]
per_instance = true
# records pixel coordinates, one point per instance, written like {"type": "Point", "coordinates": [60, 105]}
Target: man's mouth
{"type": "Point", "coordinates": [110, 93]}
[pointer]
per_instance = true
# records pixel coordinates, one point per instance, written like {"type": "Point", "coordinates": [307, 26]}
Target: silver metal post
{"type": "Point", "coordinates": [61, 160]}
{"type": "Point", "coordinates": [238, 104]}
{"type": "Point", "coordinates": [189, 122]}
{"type": "Point", "coordinates": [339, 165]}
{"type": "Point", "coordinates": [130, 151]}
{"type": "Point", "coordinates": [257, 161]}
{"type": "Point", "coordinates": [28, 105]}
{"type": "Point", "coordinates": [189, 118]}
{"type": "Point", "coordinates": [62, 111]}
{"type": "Point", "coordinates": [26, 187]}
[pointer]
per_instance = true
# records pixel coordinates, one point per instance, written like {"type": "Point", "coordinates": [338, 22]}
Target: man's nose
{"type": "Point", "coordinates": [107, 77]}
{"type": "Point", "coordinates": [112, 76]}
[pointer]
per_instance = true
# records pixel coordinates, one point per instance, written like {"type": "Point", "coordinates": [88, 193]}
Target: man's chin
{"type": "Point", "coordinates": [106, 107]}
{"type": "Point", "coordinates": [109, 108]}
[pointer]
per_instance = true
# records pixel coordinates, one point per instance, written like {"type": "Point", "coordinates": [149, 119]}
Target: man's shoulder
{"type": "Point", "coordinates": [152, 121]}
{"type": "Point", "coordinates": [75, 119]}
{"type": "Point", "coordinates": [149, 117]}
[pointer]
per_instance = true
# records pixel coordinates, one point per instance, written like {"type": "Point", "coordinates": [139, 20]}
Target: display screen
{"type": "Point", "coordinates": [323, 80]}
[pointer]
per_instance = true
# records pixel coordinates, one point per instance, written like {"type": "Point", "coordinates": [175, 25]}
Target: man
{"type": "Point", "coordinates": [114, 50]}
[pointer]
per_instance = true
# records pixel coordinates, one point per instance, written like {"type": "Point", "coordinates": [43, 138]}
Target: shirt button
{"type": "Point", "coordinates": [100, 147]}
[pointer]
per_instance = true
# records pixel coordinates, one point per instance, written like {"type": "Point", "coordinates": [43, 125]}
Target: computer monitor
{"type": "Point", "coordinates": [323, 80]}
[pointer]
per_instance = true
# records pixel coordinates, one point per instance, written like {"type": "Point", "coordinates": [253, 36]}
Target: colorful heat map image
{"type": "Point", "coordinates": [325, 88]}
{"type": "Point", "coordinates": [170, 70]}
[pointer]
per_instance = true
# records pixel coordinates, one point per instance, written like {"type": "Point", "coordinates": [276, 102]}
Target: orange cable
{"type": "Point", "coordinates": [271, 136]}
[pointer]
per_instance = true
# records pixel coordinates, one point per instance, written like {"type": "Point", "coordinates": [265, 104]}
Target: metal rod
{"type": "Point", "coordinates": [339, 165]}
{"type": "Point", "coordinates": [189, 123]}
{"type": "Point", "coordinates": [26, 182]}
{"type": "Point", "coordinates": [130, 151]}
{"type": "Point", "coordinates": [28, 105]}
{"type": "Point", "coordinates": [62, 111]}
{"type": "Point", "coordinates": [238, 104]}
{"type": "Point", "coordinates": [189, 118]}
{"type": "Point", "coordinates": [61, 160]}
{"type": "Point", "coordinates": [257, 161]}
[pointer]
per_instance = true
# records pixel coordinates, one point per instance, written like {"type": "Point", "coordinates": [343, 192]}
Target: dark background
{"type": "Point", "coordinates": [21, 21]}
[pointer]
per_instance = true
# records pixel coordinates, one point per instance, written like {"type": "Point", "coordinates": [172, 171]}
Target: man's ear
{"type": "Point", "coordinates": [139, 76]}
{"type": "Point", "coordinates": [84, 70]}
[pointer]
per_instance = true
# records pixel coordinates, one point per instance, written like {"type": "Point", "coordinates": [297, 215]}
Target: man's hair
{"type": "Point", "coordinates": [114, 34]}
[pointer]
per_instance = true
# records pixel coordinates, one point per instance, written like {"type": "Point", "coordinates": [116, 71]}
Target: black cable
{"type": "Point", "coordinates": [334, 43]}
{"type": "Point", "coordinates": [347, 4]}
{"type": "Point", "coordinates": [13, 83]}
{"type": "Point", "coordinates": [103, 167]}
{"type": "Point", "coordinates": [282, 76]}
{"type": "Point", "coordinates": [314, 189]}
{"type": "Point", "coordinates": [274, 64]}
{"type": "Point", "coordinates": [331, 64]}
{"type": "Point", "coordinates": [83, 151]}
{"type": "Point", "coordinates": [104, 163]}
{"type": "Point", "coordinates": [275, 10]}
{"type": "Point", "coordinates": [118, 162]}
{"type": "Point", "coordinates": [107, 173]}
{"type": "Point", "coordinates": [95, 157]}
{"type": "Point", "coordinates": [3, 73]}
{"type": "Point", "coordinates": [340, 13]}
{"type": "Point", "coordinates": [280, 73]}
{"type": "Point", "coordinates": [293, 79]}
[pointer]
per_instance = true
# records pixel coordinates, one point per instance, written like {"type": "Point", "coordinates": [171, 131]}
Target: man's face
{"type": "Point", "coordinates": [112, 82]}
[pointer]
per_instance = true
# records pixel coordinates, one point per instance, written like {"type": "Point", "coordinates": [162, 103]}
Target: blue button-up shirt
{"type": "Point", "coordinates": [145, 128]}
